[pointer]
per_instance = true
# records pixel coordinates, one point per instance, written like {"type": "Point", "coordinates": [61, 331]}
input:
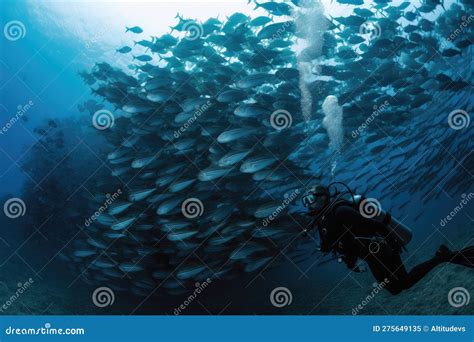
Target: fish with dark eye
{"type": "Point", "coordinates": [410, 28]}
{"type": "Point", "coordinates": [275, 8]}
{"type": "Point", "coordinates": [410, 16]}
{"type": "Point", "coordinates": [351, 2]}
{"type": "Point", "coordinates": [260, 21]}
{"type": "Point", "coordinates": [144, 42]}
{"type": "Point", "coordinates": [425, 25]}
{"type": "Point", "coordinates": [236, 18]}
{"type": "Point", "coordinates": [143, 58]}
{"type": "Point", "coordinates": [124, 49]}
{"type": "Point", "coordinates": [462, 44]}
{"type": "Point", "coordinates": [183, 24]}
{"type": "Point", "coordinates": [450, 52]}
{"type": "Point", "coordinates": [426, 8]}
{"type": "Point", "coordinates": [134, 29]}
{"type": "Point", "coordinates": [352, 20]}
{"type": "Point", "coordinates": [232, 95]}
{"type": "Point", "coordinates": [404, 5]}
{"type": "Point", "coordinates": [356, 39]}
{"type": "Point", "coordinates": [277, 30]}
{"type": "Point", "coordinates": [167, 40]}
{"type": "Point", "coordinates": [443, 78]}
{"type": "Point", "coordinates": [363, 12]}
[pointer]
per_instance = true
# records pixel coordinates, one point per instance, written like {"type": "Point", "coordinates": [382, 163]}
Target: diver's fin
{"type": "Point", "coordinates": [464, 257]}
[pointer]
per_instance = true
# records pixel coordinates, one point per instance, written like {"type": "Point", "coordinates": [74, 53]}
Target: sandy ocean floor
{"type": "Point", "coordinates": [323, 292]}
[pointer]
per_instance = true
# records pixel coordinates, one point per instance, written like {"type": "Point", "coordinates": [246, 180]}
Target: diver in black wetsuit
{"type": "Point", "coordinates": [346, 232]}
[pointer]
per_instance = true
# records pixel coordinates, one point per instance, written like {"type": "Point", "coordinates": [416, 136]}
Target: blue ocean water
{"type": "Point", "coordinates": [421, 183]}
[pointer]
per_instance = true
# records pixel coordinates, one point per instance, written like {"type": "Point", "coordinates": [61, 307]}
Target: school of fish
{"type": "Point", "coordinates": [211, 144]}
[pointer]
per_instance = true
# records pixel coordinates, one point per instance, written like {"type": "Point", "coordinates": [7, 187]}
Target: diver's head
{"type": "Point", "coordinates": [316, 199]}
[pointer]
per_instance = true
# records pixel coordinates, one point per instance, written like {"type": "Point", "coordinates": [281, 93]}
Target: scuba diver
{"type": "Point", "coordinates": [356, 229]}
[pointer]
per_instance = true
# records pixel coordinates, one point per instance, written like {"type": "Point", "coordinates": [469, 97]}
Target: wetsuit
{"type": "Point", "coordinates": [344, 230]}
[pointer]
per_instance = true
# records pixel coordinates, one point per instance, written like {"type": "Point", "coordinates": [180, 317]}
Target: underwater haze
{"type": "Point", "coordinates": [154, 155]}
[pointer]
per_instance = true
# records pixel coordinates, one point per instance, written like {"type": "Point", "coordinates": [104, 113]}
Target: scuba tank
{"type": "Point", "coordinates": [400, 232]}
{"type": "Point", "coordinates": [397, 228]}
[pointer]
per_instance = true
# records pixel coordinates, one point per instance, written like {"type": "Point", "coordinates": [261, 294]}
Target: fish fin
{"type": "Point", "coordinates": [127, 28]}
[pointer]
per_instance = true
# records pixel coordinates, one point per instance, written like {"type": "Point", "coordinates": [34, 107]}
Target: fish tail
{"type": "Point", "coordinates": [127, 29]}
